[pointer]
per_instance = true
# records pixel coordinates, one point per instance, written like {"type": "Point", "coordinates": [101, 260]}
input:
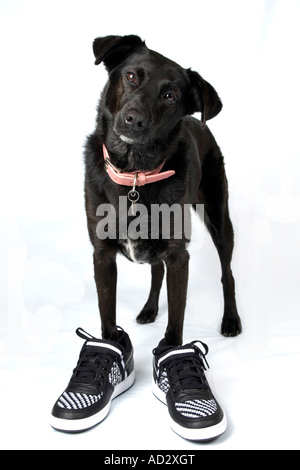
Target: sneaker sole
{"type": "Point", "coordinates": [77, 425]}
{"type": "Point", "coordinates": [200, 434]}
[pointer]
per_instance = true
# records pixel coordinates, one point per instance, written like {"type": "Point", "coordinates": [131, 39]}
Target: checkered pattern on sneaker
{"type": "Point", "coordinates": [197, 408]}
{"type": "Point", "coordinates": [77, 401]}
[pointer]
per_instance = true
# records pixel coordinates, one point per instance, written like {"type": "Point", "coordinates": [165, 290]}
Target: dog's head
{"type": "Point", "coordinates": [148, 94]}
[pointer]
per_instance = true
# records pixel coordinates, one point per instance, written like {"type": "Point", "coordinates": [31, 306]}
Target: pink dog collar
{"type": "Point", "coordinates": [134, 178]}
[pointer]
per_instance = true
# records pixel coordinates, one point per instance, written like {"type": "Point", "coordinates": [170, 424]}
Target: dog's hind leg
{"type": "Point", "coordinates": [221, 231]}
{"type": "Point", "coordinates": [150, 310]}
{"type": "Point", "coordinates": [216, 217]}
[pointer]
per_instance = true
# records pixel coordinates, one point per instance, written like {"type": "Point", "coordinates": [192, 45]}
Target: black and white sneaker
{"type": "Point", "coordinates": [105, 369]}
{"type": "Point", "coordinates": [179, 381]}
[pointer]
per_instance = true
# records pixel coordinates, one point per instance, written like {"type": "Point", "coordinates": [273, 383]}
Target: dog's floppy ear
{"type": "Point", "coordinates": [112, 50]}
{"type": "Point", "coordinates": [204, 98]}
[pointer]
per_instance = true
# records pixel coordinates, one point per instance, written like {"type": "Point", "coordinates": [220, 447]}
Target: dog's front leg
{"type": "Point", "coordinates": [105, 268]}
{"type": "Point", "coordinates": [177, 280]}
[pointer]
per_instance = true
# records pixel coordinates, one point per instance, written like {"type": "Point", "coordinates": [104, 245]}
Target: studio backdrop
{"type": "Point", "coordinates": [49, 89]}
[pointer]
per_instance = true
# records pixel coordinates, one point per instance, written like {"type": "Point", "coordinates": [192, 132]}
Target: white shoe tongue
{"type": "Point", "coordinates": [200, 346]}
{"type": "Point", "coordinates": [104, 345]}
{"type": "Point", "coordinates": [176, 352]}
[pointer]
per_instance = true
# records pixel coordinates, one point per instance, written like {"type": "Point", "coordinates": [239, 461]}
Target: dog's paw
{"type": "Point", "coordinates": [231, 327]}
{"type": "Point", "coordinates": [147, 315]}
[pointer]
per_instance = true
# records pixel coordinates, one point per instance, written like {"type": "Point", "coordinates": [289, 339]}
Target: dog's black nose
{"type": "Point", "coordinates": [135, 121]}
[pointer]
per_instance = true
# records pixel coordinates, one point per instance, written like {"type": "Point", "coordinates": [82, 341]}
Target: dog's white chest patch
{"type": "Point", "coordinates": [131, 250]}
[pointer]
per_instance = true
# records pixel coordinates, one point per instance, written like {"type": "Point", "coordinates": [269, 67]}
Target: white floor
{"type": "Point", "coordinates": [255, 376]}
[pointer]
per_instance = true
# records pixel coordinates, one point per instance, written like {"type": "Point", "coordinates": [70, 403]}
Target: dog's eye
{"type": "Point", "coordinates": [131, 77]}
{"type": "Point", "coordinates": [170, 97]}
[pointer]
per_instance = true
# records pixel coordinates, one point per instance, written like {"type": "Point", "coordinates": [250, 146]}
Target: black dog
{"type": "Point", "coordinates": [145, 125]}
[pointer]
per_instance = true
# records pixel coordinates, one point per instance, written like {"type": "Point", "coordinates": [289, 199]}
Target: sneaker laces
{"type": "Point", "coordinates": [186, 371]}
{"type": "Point", "coordinates": [92, 366]}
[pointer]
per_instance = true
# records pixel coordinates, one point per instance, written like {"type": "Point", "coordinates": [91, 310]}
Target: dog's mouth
{"type": "Point", "coordinates": [125, 139]}
{"type": "Point", "coordinates": [132, 140]}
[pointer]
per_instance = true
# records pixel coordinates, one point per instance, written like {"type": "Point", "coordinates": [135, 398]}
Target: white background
{"type": "Point", "coordinates": [249, 51]}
